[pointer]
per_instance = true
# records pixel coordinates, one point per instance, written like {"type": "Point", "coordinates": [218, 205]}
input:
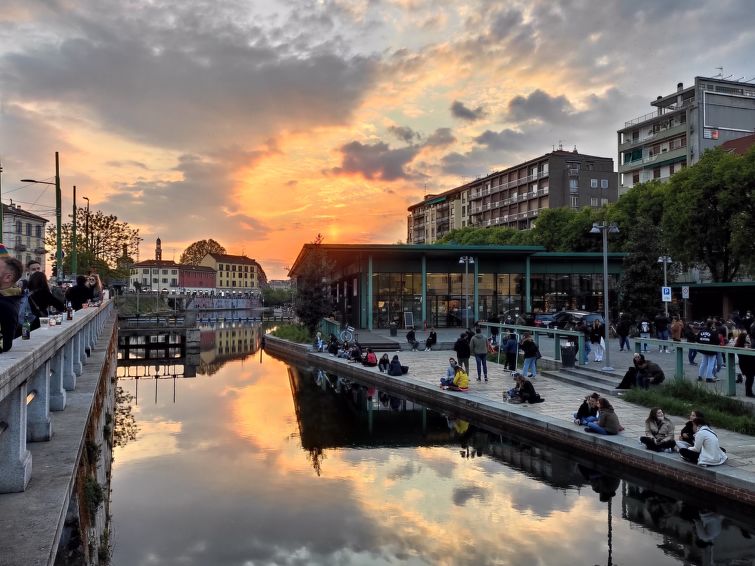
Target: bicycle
{"type": "Point", "coordinates": [348, 334]}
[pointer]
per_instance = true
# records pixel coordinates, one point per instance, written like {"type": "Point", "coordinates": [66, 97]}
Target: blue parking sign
{"type": "Point", "coordinates": [666, 294]}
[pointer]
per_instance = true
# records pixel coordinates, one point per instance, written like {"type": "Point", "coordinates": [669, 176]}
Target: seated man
{"type": "Point", "coordinates": [588, 410]}
{"type": "Point", "coordinates": [648, 373]}
{"type": "Point", "coordinates": [411, 338]}
{"type": "Point", "coordinates": [10, 296]}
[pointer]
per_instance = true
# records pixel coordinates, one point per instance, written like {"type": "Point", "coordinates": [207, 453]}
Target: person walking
{"type": "Point", "coordinates": [479, 347]}
{"type": "Point", "coordinates": [596, 339]}
{"type": "Point", "coordinates": [645, 328]}
{"type": "Point", "coordinates": [622, 329]}
{"type": "Point", "coordinates": [531, 352]}
{"type": "Point", "coordinates": [586, 330]}
{"type": "Point", "coordinates": [661, 330]}
{"type": "Point", "coordinates": [461, 347]}
{"type": "Point", "coordinates": [746, 363]}
{"type": "Point", "coordinates": [511, 349]}
{"type": "Point", "coordinates": [707, 337]}
{"type": "Point", "coordinates": [677, 329]}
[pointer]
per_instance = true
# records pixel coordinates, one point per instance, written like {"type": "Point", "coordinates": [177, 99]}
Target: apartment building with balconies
{"type": "Point", "coordinates": [516, 196]}
{"type": "Point", "coordinates": [682, 127]}
{"type": "Point", "coordinates": [24, 234]}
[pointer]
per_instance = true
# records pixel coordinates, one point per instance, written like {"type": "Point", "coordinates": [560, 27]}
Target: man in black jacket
{"type": "Point", "coordinates": [10, 297]}
{"type": "Point", "coordinates": [461, 347]}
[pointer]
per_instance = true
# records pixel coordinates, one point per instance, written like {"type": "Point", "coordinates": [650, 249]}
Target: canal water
{"type": "Point", "coordinates": [253, 462]}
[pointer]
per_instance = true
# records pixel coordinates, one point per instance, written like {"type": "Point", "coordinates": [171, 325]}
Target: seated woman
{"type": "Point", "coordinates": [355, 353]}
{"type": "Point", "coordinates": [608, 421]}
{"type": "Point", "coordinates": [524, 391]}
{"type": "Point", "coordinates": [345, 350]}
{"type": "Point", "coordinates": [333, 345]}
{"type": "Point", "coordinates": [659, 431]}
{"type": "Point", "coordinates": [706, 451]}
{"type": "Point", "coordinates": [432, 339]}
{"type": "Point", "coordinates": [687, 436]}
{"type": "Point", "coordinates": [318, 345]}
{"type": "Point", "coordinates": [648, 373]}
{"type": "Point", "coordinates": [370, 359]}
{"type": "Point", "coordinates": [395, 368]}
{"type": "Point", "coordinates": [40, 298]}
{"type": "Point", "coordinates": [460, 381]}
{"type": "Point", "coordinates": [588, 410]}
{"type": "Point", "coordinates": [384, 362]}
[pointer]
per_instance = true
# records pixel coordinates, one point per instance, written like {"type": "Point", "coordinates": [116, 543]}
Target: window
{"type": "Point", "coordinates": [656, 172]}
{"type": "Point", "coordinates": [28, 229]}
{"type": "Point", "coordinates": [593, 183]}
{"type": "Point", "coordinates": [38, 231]}
{"type": "Point", "coordinates": [635, 177]}
{"type": "Point", "coordinates": [594, 201]}
{"type": "Point", "coordinates": [574, 202]}
{"type": "Point", "coordinates": [165, 271]}
{"type": "Point", "coordinates": [18, 227]}
{"type": "Point", "coordinates": [603, 201]}
{"type": "Point", "coordinates": [573, 185]}
{"type": "Point", "coordinates": [604, 183]}
{"type": "Point", "coordinates": [173, 271]}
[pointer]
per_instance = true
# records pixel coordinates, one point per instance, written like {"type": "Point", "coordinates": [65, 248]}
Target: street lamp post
{"type": "Point", "coordinates": [74, 240]}
{"type": "Point", "coordinates": [665, 260]}
{"type": "Point", "coordinates": [58, 227]}
{"type": "Point", "coordinates": [604, 229]}
{"type": "Point", "coordinates": [1, 204]}
{"type": "Point", "coordinates": [86, 230]}
{"type": "Point", "coordinates": [466, 260]}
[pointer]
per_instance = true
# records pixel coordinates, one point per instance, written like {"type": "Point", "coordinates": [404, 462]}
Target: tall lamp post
{"type": "Point", "coordinates": [74, 240]}
{"type": "Point", "coordinates": [58, 227]}
{"type": "Point", "coordinates": [665, 260]}
{"type": "Point", "coordinates": [605, 229]}
{"type": "Point", "coordinates": [1, 204]}
{"type": "Point", "coordinates": [86, 229]}
{"type": "Point", "coordinates": [466, 260]}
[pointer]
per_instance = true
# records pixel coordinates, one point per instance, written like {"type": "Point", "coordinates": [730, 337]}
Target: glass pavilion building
{"type": "Point", "coordinates": [373, 285]}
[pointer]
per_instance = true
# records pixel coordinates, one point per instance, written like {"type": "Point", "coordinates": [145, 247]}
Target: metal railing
{"type": "Point", "coordinates": [537, 332]}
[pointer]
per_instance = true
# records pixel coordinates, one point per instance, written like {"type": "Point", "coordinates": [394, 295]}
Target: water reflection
{"type": "Point", "coordinates": [265, 463]}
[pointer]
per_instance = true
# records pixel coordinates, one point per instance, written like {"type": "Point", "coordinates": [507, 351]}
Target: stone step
{"type": "Point", "coordinates": [603, 384]}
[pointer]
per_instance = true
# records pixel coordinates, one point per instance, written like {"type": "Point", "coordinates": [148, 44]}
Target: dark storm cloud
{"type": "Point", "coordinates": [463, 494]}
{"type": "Point", "coordinates": [404, 133]}
{"type": "Point", "coordinates": [191, 200]}
{"type": "Point", "coordinates": [188, 79]}
{"type": "Point", "coordinates": [459, 110]}
{"type": "Point", "coordinates": [501, 141]}
{"type": "Point", "coordinates": [376, 161]}
{"type": "Point", "coordinates": [440, 137]}
{"type": "Point", "coordinates": [539, 105]}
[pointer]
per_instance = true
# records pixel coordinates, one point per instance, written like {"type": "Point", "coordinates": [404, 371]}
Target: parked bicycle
{"type": "Point", "coordinates": [348, 334]}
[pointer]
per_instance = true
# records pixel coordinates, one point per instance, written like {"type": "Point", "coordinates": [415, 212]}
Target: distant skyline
{"type": "Point", "coordinates": [262, 124]}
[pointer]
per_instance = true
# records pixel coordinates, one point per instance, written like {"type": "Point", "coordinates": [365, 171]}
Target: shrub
{"type": "Point", "coordinates": [678, 397]}
{"type": "Point", "coordinates": [293, 332]}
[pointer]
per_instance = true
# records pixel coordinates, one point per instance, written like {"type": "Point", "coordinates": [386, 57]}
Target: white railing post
{"type": "Point", "coordinates": [15, 459]}
{"type": "Point", "coordinates": [38, 423]}
{"type": "Point", "coordinates": [69, 375]}
{"type": "Point", "coordinates": [57, 387]}
{"type": "Point", "coordinates": [76, 352]}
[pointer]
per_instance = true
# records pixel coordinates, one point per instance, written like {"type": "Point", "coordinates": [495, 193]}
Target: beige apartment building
{"type": "Point", "coordinates": [515, 197]}
{"type": "Point", "coordinates": [235, 272]}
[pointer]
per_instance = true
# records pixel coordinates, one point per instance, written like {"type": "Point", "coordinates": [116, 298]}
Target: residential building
{"type": "Point", "coordinates": [682, 127]}
{"type": "Point", "coordinates": [24, 234]}
{"type": "Point", "coordinates": [514, 197]}
{"type": "Point", "coordinates": [196, 278]}
{"type": "Point", "coordinates": [739, 146]}
{"type": "Point", "coordinates": [155, 274]}
{"type": "Point", "coordinates": [235, 272]}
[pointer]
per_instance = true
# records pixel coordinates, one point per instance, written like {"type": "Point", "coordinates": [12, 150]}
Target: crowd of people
{"type": "Point", "coordinates": [26, 295]}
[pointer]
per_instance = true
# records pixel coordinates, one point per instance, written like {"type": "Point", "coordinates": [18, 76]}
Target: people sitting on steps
{"type": "Point", "coordinates": [659, 432]}
{"type": "Point", "coordinates": [411, 338]}
{"type": "Point", "coordinates": [588, 410]}
{"type": "Point", "coordinates": [608, 421]}
{"type": "Point", "coordinates": [523, 391]}
{"type": "Point", "coordinates": [395, 368]}
{"type": "Point", "coordinates": [706, 451]}
{"type": "Point", "coordinates": [384, 362]}
{"type": "Point", "coordinates": [643, 373]}
{"type": "Point", "coordinates": [432, 339]}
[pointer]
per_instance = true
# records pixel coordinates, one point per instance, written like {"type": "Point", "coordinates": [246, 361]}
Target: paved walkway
{"type": "Point", "coordinates": [563, 399]}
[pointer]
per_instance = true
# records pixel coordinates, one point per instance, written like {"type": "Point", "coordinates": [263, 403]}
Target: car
{"type": "Point", "coordinates": [568, 320]}
{"type": "Point", "coordinates": [539, 319]}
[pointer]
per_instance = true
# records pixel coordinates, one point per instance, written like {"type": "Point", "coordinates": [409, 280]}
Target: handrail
{"type": "Point", "coordinates": [538, 331]}
{"type": "Point", "coordinates": [329, 326]}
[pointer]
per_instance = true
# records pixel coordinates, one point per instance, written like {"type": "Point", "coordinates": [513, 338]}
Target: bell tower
{"type": "Point", "coordinates": [158, 250]}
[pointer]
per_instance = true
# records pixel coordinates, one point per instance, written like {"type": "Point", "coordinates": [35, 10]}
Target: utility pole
{"type": "Point", "coordinates": [74, 240]}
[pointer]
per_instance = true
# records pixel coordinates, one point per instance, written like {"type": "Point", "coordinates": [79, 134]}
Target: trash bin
{"type": "Point", "coordinates": [394, 329]}
{"type": "Point", "coordinates": [568, 356]}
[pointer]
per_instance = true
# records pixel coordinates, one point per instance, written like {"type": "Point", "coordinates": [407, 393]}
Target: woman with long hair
{"type": "Point", "coordinates": [608, 421]}
{"type": "Point", "coordinates": [659, 431]}
{"type": "Point", "coordinates": [40, 298]}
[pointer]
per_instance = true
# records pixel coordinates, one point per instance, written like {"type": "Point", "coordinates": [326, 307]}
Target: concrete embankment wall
{"type": "Point", "coordinates": [624, 452]}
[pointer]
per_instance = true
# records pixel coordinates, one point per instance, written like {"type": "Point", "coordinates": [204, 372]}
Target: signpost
{"type": "Point", "coordinates": [666, 294]}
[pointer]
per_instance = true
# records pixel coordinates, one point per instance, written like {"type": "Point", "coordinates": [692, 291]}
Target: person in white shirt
{"type": "Point", "coordinates": [706, 450]}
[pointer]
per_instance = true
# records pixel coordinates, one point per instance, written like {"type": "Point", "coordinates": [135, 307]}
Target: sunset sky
{"type": "Point", "coordinates": [261, 124]}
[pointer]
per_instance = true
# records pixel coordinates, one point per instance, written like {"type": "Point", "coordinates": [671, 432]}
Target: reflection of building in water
{"type": "Point", "coordinates": [224, 342]}
{"type": "Point", "coordinates": [686, 530]}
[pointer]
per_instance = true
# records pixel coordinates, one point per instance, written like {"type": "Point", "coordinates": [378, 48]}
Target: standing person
{"type": "Point", "coordinates": [511, 349]}
{"type": "Point", "coordinates": [622, 329]}
{"type": "Point", "coordinates": [706, 451]}
{"type": "Point", "coordinates": [659, 431]}
{"type": "Point", "coordinates": [608, 421]}
{"type": "Point", "coordinates": [746, 363]}
{"type": "Point", "coordinates": [79, 293]}
{"type": "Point", "coordinates": [645, 328]}
{"type": "Point", "coordinates": [677, 329]}
{"type": "Point", "coordinates": [531, 351]}
{"type": "Point", "coordinates": [479, 347]}
{"type": "Point", "coordinates": [432, 339]}
{"type": "Point", "coordinates": [661, 330]}
{"type": "Point", "coordinates": [690, 333]}
{"type": "Point", "coordinates": [461, 347]}
{"type": "Point", "coordinates": [10, 296]}
{"type": "Point", "coordinates": [586, 330]}
{"type": "Point", "coordinates": [707, 337]}
{"type": "Point", "coordinates": [596, 340]}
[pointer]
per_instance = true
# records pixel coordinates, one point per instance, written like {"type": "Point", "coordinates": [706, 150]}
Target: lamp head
{"type": "Point", "coordinates": [596, 228]}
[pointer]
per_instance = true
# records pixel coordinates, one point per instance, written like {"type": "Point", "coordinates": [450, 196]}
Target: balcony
{"type": "Point", "coordinates": [661, 134]}
{"type": "Point", "coordinates": [653, 161]}
{"type": "Point", "coordinates": [573, 171]}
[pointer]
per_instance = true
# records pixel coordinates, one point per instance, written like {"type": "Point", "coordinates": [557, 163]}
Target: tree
{"type": "Point", "coordinates": [100, 248]}
{"type": "Point", "coordinates": [276, 297]}
{"type": "Point", "coordinates": [706, 211]}
{"type": "Point", "coordinates": [313, 300]}
{"type": "Point", "coordinates": [642, 278]}
{"type": "Point", "coordinates": [196, 251]}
